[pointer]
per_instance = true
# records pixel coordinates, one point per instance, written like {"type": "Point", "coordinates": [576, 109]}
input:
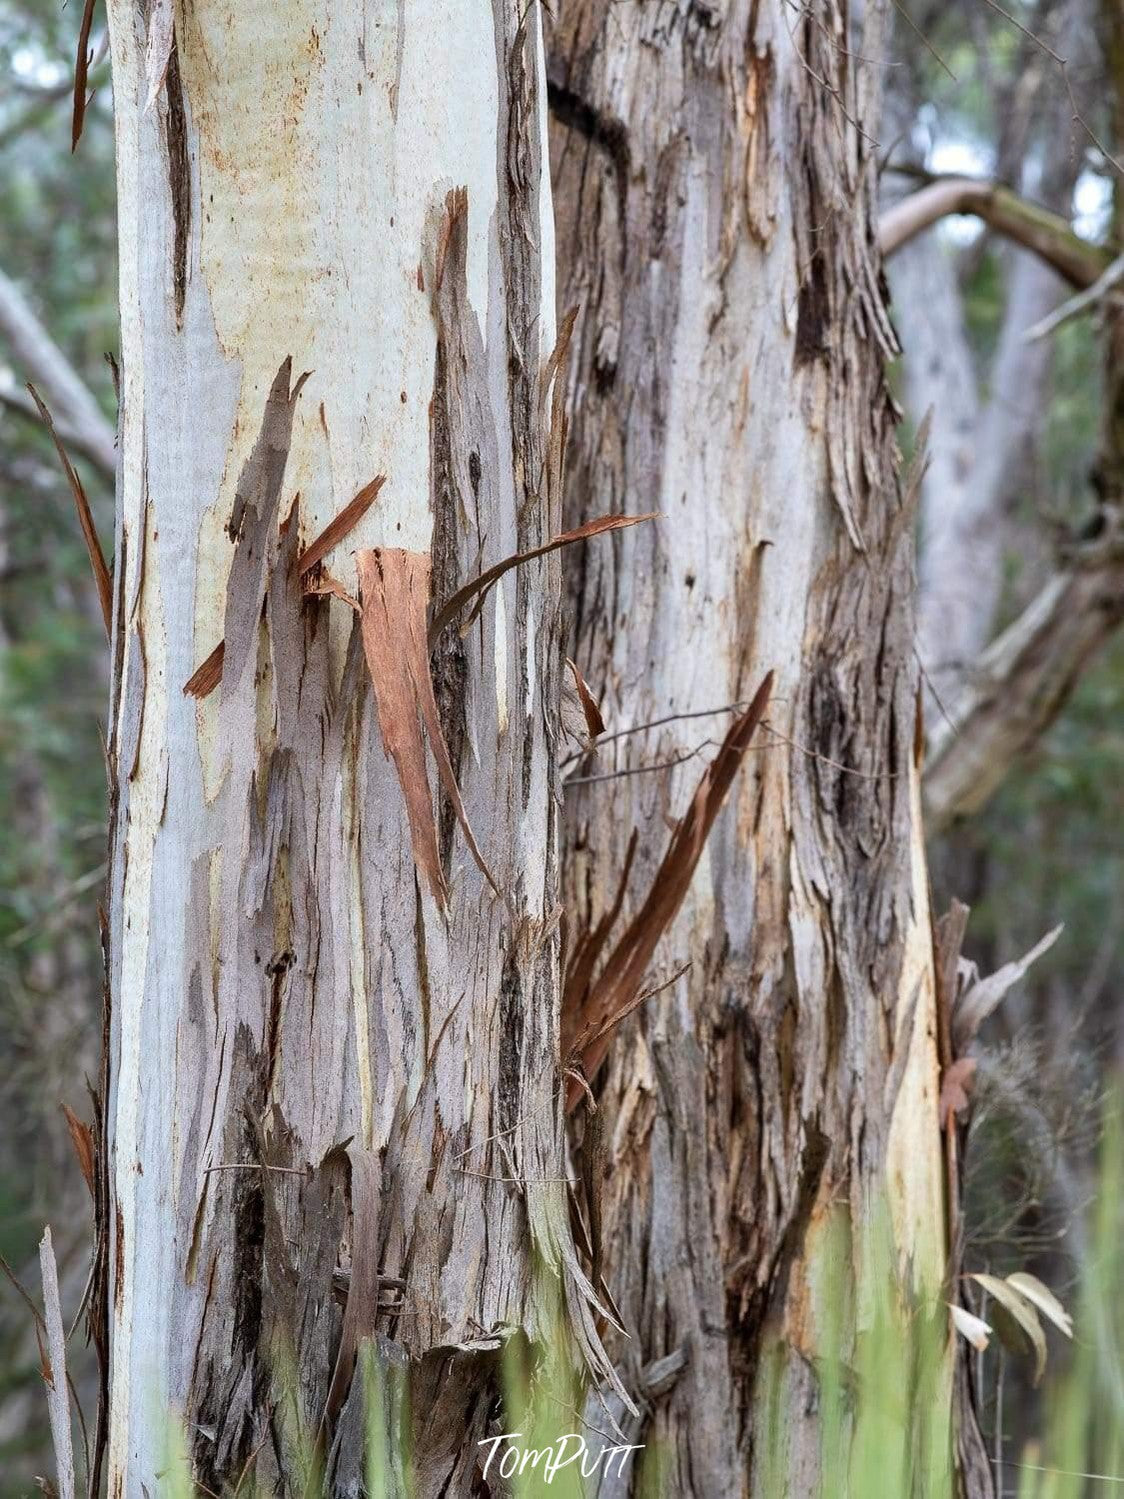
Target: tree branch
{"type": "Point", "coordinates": [1091, 297]}
{"type": "Point", "coordinates": [78, 416]}
{"type": "Point", "coordinates": [1046, 234]}
{"type": "Point", "coordinates": [1023, 680]}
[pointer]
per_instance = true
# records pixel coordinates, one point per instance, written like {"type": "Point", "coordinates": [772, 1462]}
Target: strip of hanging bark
{"type": "Point", "coordinates": [54, 1371]}
{"type": "Point", "coordinates": [594, 1031]}
{"type": "Point", "coordinates": [81, 69]}
{"type": "Point", "coordinates": [85, 518]}
{"type": "Point", "coordinates": [362, 1303]}
{"type": "Point", "coordinates": [82, 1138]}
{"type": "Point", "coordinates": [594, 723]}
{"type": "Point", "coordinates": [590, 1017]}
{"type": "Point", "coordinates": [335, 531]}
{"type": "Point", "coordinates": [492, 575]}
{"type": "Point", "coordinates": [582, 962]}
{"type": "Point", "coordinates": [207, 677]}
{"type": "Point", "coordinates": [978, 997]}
{"type": "Point", "coordinates": [323, 585]}
{"type": "Point", "coordinates": [558, 426]}
{"type": "Point", "coordinates": [584, 1242]}
{"type": "Point", "coordinates": [204, 679]}
{"type": "Point", "coordinates": [593, 1174]}
{"type": "Point", "coordinates": [393, 595]}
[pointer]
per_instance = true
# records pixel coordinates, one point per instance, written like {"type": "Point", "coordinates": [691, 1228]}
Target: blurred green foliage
{"type": "Point", "coordinates": [57, 243]}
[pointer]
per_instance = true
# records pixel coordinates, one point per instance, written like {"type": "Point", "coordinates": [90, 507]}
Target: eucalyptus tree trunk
{"type": "Point", "coordinates": [332, 1107]}
{"type": "Point", "coordinates": [714, 173]}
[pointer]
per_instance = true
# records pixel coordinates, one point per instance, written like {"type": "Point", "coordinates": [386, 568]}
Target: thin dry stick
{"type": "Point", "coordinates": [1078, 304]}
{"type": "Point", "coordinates": [516, 1181]}
{"type": "Point", "coordinates": [1068, 1472]}
{"type": "Point", "coordinates": [500, 1133]}
{"type": "Point", "coordinates": [636, 770]}
{"type": "Point", "coordinates": [40, 1333]}
{"type": "Point", "coordinates": [656, 723]}
{"type": "Point", "coordinates": [927, 679]}
{"type": "Point", "coordinates": [925, 42]}
{"type": "Point", "coordinates": [1063, 65]}
{"type": "Point", "coordinates": [54, 1372]}
{"type": "Point", "coordinates": [863, 775]}
{"type": "Point", "coordinates": [257, 1166]}
{"type": "Point", "coordinates": [639, 770]}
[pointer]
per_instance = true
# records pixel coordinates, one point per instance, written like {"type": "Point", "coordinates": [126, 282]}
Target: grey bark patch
{"type": "Point", "coordinates": [132, 718]}
{"type": "Point", "coordinates": [253, 526]}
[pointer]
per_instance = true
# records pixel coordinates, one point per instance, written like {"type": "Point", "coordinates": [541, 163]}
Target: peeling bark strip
{"type": "Point", "coordinates": [478, 588]}
{"type": "Point", "coordinates": [394, 597]}
{"type": "Point", "coordinates": [592, 1011]}
{"type": "Point", "coordinates": [591, 713]}
{"type": "Point", "coordinates": [323, 1083]}
{"type": "Point", "coordinates": [82, 59]}
{"type": "Point", "coordinates": [253, 526]}
{"type": "Point", "coordinates": [179, 177]}
{"type": "Point", "coordinates": [85, 517]}
{"type": "Point", "coordinates": [208, 674]}
{"type": "Point", "coordinates": [344, 523]}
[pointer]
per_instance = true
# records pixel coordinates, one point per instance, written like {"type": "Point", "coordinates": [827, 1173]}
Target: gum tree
{"type": "Point", "coordinates": [332, 936]}
{"type": "Point", "coordinates": [715, 168]}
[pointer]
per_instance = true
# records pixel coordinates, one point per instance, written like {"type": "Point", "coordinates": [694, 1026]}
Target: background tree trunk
{"type": "Point", "coordinates": [714, 198]}
{"type": "Point", "coordinates": [317, 1036]}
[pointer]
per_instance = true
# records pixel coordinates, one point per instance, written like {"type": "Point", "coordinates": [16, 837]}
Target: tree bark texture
{"type": "Point", "coordinates": [333, 1108]}
{"type": "Point", "coordinates": [714, 172]}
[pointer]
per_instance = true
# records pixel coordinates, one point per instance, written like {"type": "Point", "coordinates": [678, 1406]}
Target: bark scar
{"type": "Point", "coordinates": [179, 180]}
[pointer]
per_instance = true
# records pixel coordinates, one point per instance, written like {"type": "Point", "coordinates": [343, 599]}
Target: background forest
{"type": "Point", "coordinates": [1014, 435]}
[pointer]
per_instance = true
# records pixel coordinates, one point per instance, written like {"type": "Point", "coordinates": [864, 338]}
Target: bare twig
{"type": "Point", "coordinates": [1022, 680]}
{"type": "Point", "coordinates": [1046, 234]}
{"type": "Point", "coordinates": [925, 42]}
{"type": "Point", "coordinates": [1078, 304]}
{"type": "Point", "coordinates": [1063, 68]}
{"type": "Point", "coordinates": [257, 1166]}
